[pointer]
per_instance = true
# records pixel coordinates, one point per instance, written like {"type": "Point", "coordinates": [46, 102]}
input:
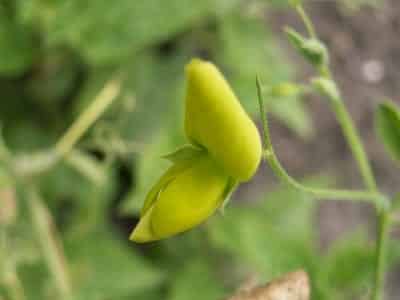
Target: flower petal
{"type": "Point", "coordinates": [189, 199]}
{"type": "Point", "coordinates": [168, 176]}
{"type": "Point", "coordinates": [142, 232]}
{"type": "Point", "coordinates": [216, 120]}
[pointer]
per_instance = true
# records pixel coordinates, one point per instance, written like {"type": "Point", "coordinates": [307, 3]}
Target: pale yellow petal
{"type": "Point", "coordinates": [189, 199]}
{"type": "Point", "coordinates": [143, 232]}
{"type": "Point", "coordinates": [215, 119]}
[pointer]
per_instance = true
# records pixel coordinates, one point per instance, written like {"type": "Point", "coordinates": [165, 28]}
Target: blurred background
{"type": "Point", "coordinates": [55, 58]}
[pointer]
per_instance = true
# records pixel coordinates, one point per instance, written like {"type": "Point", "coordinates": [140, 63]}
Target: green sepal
{"type": "Point", "coordinates": [227, 195]}
{"type": "Point", "coordinates": [313, 50]}
{"type": "Point", "coordinates": [387, 125]}
{"type": "Point", "coordinates": [326, 87]}
{"type": "Point", "coordinates": [185, 153]}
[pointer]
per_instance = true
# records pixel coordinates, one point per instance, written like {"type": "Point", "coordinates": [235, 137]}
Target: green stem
{"type": "Point", "coordinates": [27, 166]}
{"type": "Point", "coordinates": [380, 264]}
{"type": "Point", "coordinates": [50, 244]}
{"type": "Point", "coordinates": [106, 96]}
{"type": "Point", "coordinates": [353, 138]}
{"type": "Point", "coordinates": [343, 116]}
{"type": "Point", "coordinates": [86, 166]}
{"type": "Point", "coordinates": [286, 178]}
{"type": "Point", "coordinates": [306, 20]}
{"type": "Point", "coordinates": [355, 144]}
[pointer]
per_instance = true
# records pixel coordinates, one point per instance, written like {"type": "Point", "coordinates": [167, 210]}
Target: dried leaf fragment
{"type": "Point", "coordinates": [292, 286]}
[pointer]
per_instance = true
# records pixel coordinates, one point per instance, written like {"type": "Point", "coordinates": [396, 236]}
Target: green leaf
{"type": "Point", "coordinates": [393, 253]}
{"type": "Point", "coordinates": [387, 124]}
{"type": "Point", "coordinates": [16, 46]}
{"type": "Point", "coordinates": [20, 247]}
{"type": "Point", "coordinates": [103, 267]}
{"type": "Point", "coordinates": [227, 195]}
{"type": "Point", "coordinates": [149, 167]}
{"type": "Point", "coordinates": [272, 237]}
{"type": "Point", "coordinates": [196, 281]}
{"type": "Point", "coordinates": [105, 33]}
{"type": "Point", "coordinates": [155, 84]}
{"type": "Point", "coordinates": [154, 294]}
{"type": "Point", "coordinates": [347, 269]}
{"type": "Point", "coordinates": [395, 209]}
{"type": "Point", "coordinates": [184, 153]}
{"type": "Point", "coordinates": [34, 278]}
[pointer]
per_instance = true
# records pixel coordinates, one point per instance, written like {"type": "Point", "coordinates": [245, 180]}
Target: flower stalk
{"type": "Point", "coordinates": [332, 194]}
{"type": "Point", "coordinates": [50, 244]}
{"type": "Point", "coordinates": [326, 85]}
{"type": "Point", "coordinates": [99, 105]}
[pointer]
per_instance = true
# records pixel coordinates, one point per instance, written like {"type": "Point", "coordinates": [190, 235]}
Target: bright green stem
{"type": "Point", "coordinates": [380, 264]}
{"type": "Point", "coordinates": [285, 177]}
{"type": "Point", "coordinates": [343, 116]}
{"type": "Point", "coordinates": [50, 244]}
{"type": "Point", "coordinates": [382, 207]}
{"type": "Point", "coordinates": [353, 138]}
{"type": "Point", "coordinates": [86, 166]}
{"type": "Point", "coordinates": [355, 143]}
{"type": "Point", "coordinates": [106, 96]}
{"type": "Point", "coordinates": [306, 20]}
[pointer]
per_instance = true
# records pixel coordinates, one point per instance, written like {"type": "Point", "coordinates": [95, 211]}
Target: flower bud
{"type": "Point", "coordinates": [216, 121]}
{"type": "Point", "coordinates": [311, 49]}
{"type": "Point", "coordinates": [286, 89]}
{"type": "Point", "coordinates": [327, 87]}
{"type": "Point", "coordinates": [188, 193]}
{"type": "Point", "coordinates": [225, 149]}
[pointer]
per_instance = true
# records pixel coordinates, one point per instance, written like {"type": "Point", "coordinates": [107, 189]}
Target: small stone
{"type": "Point", "coordinates": [292, 286]}
{"type": "Point", "coordinates": [373, 71]}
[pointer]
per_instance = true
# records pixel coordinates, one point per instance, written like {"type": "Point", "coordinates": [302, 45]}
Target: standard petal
{"type": "Point", "coordinates": [189, 199]}
{"type": "Point", "coordinates": [216, 120]}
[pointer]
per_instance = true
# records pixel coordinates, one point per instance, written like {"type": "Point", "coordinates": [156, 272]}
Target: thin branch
{"type": "Point", "coordinates": [274, 163]}
{"type": "Point", "coordinates": [50, 243]}
{"type": "Point", "coordinates": [103, 100]}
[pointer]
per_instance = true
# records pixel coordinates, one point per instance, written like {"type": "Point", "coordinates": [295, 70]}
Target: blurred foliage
{"type": "Point", "coordinates": [55, 56]}
{"type": "Point", "coordinates": [387, 123]}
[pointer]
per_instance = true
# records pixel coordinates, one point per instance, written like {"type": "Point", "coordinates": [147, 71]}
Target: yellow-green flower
{"type": "Point", "coordinates": [216, 120]}
{"type": "Point", "coordinates": [186, 195]}
{"type": "Point", "coordinates": [225, 150]}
